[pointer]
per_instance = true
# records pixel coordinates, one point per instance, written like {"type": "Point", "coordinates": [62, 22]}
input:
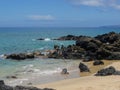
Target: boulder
{"type": "Point", "coordinates": [5, 87]}
{"type": "Point", "coordinates": [2, 82]}
{"type": "Point", "coordinates": [98, 62]}
{"type": "Point", "coordinates": [107, 71]}
{"type": "Point", "coordinates": [83, 68]}
{"type": "Point", "coordinates": [64, 71]}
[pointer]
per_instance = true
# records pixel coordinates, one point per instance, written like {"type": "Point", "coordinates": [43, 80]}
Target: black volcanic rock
{"type": "Point", "coordinates": [83, 68]}
{"type": "Point", "coordinates": [6, 87]}
{"type": "Point", "coordinates": [20, 56]}
{"type": "Point", "coordinates": [107, 71]}
{"type": "Point", "coordinates": [109, 37]}
{"type": "Point", "coordinates": [68, 37]}
{"type": "Point", "coordinates": [98, 62]}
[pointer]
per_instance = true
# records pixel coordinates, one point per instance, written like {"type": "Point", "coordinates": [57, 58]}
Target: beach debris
{"type": "Point", "coordinates": [64, 71]}
{"type": "Point", "coordinates": [83, 68]}
{"type": "Point", "coordinates": [98, 62]}
{"type": "Point", "coordinates": [107, 71]}
{"type": "Point", "coordinates": [6, 87]}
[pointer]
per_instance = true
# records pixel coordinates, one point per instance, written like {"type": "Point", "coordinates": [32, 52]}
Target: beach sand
{"type": "Point", "coordinates": [88, 82]}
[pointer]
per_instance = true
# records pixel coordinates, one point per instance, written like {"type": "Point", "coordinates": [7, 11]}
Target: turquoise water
{"type": "Point", "coordinates": [16, 40]}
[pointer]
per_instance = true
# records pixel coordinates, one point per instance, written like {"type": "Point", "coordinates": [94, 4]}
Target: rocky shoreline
{"type": "Point", "coordinates": [106, 46]}
{"type": "Point", "coordinates": [6, 87]}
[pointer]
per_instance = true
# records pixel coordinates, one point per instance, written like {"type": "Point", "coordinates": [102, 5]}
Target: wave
{"type": "Point", "coordinates": [2, 56]}
{"type": "Point", "coordinates": [47, 39]}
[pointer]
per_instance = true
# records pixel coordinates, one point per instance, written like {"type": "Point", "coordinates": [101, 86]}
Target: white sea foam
{"type": "Point", "coordinates": [28, 66]}
{"type": "Point", "coordinates": [3, 56]}
{"type": "Point", "coordinates": [49, 72]}
{"type": "Point", "coordinates": [47, 39]}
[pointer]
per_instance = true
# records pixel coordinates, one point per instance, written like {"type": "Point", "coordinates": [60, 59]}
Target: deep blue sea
{"type": "Point", "coordinates": [16, 40]}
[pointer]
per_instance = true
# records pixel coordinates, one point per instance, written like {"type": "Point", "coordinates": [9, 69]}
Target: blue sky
{"type": "Point", "coordinates": [59, 13]}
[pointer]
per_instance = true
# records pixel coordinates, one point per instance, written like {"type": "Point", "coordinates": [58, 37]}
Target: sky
{"type": "Point", "coordinates": [59, 13]}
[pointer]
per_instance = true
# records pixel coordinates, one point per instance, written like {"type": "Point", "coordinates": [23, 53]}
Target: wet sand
{"type": "Point", "coordinates": [88, 82]}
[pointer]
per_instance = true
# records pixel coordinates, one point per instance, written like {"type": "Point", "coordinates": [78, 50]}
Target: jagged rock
{"type": "Point", "coordinates": [98, 62]}
{"type": "Point", "coordinates": [83, 68]}
{"type": "Point", "coordinates": [107, 71]}
{"type": "Point", "coordinates": [109, 37]}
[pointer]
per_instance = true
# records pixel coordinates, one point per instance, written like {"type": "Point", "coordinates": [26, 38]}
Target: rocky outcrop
{"type": "Point", "coordinates": [107, 71]}
{"type": "Point", "coordinates": [83, 68]}
{"type": "Point", "coordinates": [68, 37]}
{"type": "Point", "coordinates": [23, 56]}
{"type": "Point", "coordinates": [106, 46]}
{"type": "Point", "coordinates": [6, 87]}
{"type": "Point", "coordinates": [20, 56]}
{"type": "Point", "coordinates": [109, 38]}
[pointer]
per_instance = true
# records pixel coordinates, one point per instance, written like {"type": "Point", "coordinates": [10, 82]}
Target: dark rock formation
{"type": "Point", "coordinates": [40, 39]}
{"type": "Point", "coordinates": [68, 37]}
{"type": "Point", "coordinates": [109, 37]}
{"type": "Point", "coordinates": [6, 87]}
{"type": "Point", "coordinates": [23, 56]}
{"type": "Point", "coordinates": [64, 71]}
{"type": "Point", "coordinates": [20, 56]}
{"type": "Point", "coordinates": [83, 68]}
{"type": "Point", "coordinates": [107, 71]}
{"type": "Point", "coordinates": [98, 62]}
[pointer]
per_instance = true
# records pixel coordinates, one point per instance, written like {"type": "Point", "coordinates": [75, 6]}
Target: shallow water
{"type": "Point", "coordinates": [16, 40]}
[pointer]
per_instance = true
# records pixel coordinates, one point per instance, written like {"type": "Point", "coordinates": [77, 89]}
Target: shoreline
{"type": "Point", "coordinates": [87, 82]}
{"type": "Point", "coordinates": [42, 77]}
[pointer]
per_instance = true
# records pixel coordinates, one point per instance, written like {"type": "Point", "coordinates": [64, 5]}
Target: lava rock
{"type": "Point", "coordinates": [2, 82]}
{"type": "Point", "coordinates": [109, 37]}
{"type": "Point", "coordinates": [83, 68]}
{"type": "Point", "coordinates": [107, 71]}
{"type": "Point", "coordinates": [64, 71]}
{"type": "Point", "coordinates": [98, 62]}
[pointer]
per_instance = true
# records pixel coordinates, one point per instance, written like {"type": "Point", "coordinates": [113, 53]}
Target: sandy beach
{"type": "Point", "coordinates": [88, 82]}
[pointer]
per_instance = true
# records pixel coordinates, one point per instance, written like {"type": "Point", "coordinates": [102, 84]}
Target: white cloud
{"type": "Point", "coordinates": [40, 17]}
{"type": "Point", "coordinates": [98, 3]}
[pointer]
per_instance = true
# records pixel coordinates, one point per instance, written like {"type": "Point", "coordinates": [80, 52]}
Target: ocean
{"type": "Point", "coordinates": [17, 40]}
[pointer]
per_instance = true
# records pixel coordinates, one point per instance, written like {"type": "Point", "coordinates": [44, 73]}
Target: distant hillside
{"type": "Point", "coordinates": [110, 26]}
